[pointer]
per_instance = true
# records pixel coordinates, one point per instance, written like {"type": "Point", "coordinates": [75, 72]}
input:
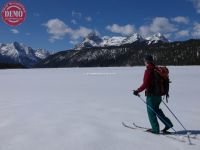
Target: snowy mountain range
{"type": "Point", "coordinates": [18, 53]}
{"type": "Point", "coordinates": [164, 53]}
{"type": "Point", "coordinates": [93, 40]}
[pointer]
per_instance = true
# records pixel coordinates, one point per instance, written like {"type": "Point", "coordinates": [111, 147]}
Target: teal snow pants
{"type": "Point", "coordinates": [153, 102]}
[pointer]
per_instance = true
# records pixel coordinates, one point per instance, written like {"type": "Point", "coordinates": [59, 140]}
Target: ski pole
{"type": "Point", "coordinates": [154, 111]}
{"type": "Point", "coordinates": [188, 133]}
{"type": "Point", "coordinates": [174, 116]}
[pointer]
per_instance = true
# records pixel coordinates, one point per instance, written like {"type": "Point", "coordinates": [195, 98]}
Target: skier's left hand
{"type": "Point", "coordinates": [135, 92]}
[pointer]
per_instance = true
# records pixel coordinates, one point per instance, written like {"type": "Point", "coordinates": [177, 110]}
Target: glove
{"type": "Point", "coordinates": [135, 92]}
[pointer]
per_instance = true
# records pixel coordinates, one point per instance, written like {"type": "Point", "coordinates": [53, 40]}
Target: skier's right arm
{"type": "Point", "coordinates": [146, 81]}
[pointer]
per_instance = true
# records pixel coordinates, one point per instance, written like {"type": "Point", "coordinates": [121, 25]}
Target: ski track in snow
{"type": "Point", "coordinates": [82, 109]}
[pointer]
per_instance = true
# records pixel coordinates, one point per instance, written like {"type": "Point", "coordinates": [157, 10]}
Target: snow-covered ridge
{"type": "Point", "coordinates": [41, 53]}
{"type": "Point", "coordinates": [93, 40]}
{"type": "Point", "coordinates": [156, 38]}
{"type": "Point", "coordinates": [20, 53]}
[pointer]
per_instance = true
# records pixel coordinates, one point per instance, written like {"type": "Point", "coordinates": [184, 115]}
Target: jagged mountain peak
{"type": "Point", "coordinates": [15, 43]}
{"type": "Point", "coordinates": [158, 37]}
{"type": "Point", "coordinates": [91, 40]}
{"type": "Point", "coordinates": [19, 53]}
{"type": "Point", "coordinates": [133, 38]}
{"type": "Point", "coordinates": [42, 53]}
{"type": "Point", "coordinates": [92, 35]}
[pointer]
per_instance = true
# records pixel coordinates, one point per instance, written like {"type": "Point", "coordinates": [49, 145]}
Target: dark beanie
{"type": "Point", "coordinates": [148, 58]}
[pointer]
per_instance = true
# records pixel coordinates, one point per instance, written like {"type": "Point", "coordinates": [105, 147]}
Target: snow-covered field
{"type": "Point", "coordinates": [82, 109]}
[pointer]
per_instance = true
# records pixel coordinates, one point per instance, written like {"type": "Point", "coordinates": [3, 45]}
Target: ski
{"type": "Point", "coordinates": [135, 127]}
{"type": "Point", "coordinates": [192, 136]}
{"type": "Point", "coordinates": [170, 135]}
{"type": "Point", "coordinates": [140, 127]}
{"type": "Point", "coordinates": [173, 135]}
{"type": "Point", "coordinates": [128, 126]}
{"type": "Point", "coordinates": [145, 128]}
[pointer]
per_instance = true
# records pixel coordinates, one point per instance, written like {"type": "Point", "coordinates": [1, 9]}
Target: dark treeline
{"type": "Point", "coordinates": [10, 66]}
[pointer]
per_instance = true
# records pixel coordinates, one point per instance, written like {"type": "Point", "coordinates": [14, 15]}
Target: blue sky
{"type": "Point", "coordinates": [58, 24]}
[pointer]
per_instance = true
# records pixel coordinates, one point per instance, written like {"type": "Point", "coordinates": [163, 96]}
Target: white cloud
{"type": "Point", "coordinates": [158, 24]}
{"type": "Point", "coordinates": [196, 30]}
{"type": "Point", "coordinates": [181, 19]}
{"type": "Point", "coordinates": [73, 21]}
{"type": "Point", "coordinates": [81, 32]}
{"type": "Point", "coordinates": [124, 30]}
{"type": "Point", "coordinates": [89, 19]}
{"type": "Point", "coordinates": [162, 24]}
{"type": "Point", "coordinates": [196, 4]}
{"type": "Point", "coordinates": [57, 29]}
{"type": "Point", "coordinates": [14, 31]}
{"type": "Point", "coordinates": [144, 31]}
{"type": "Point", "coordinates": [182, 33]}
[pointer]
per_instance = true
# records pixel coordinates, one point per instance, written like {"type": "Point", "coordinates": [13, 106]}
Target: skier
{"type": "Point", "coordinates": [153, 99]}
